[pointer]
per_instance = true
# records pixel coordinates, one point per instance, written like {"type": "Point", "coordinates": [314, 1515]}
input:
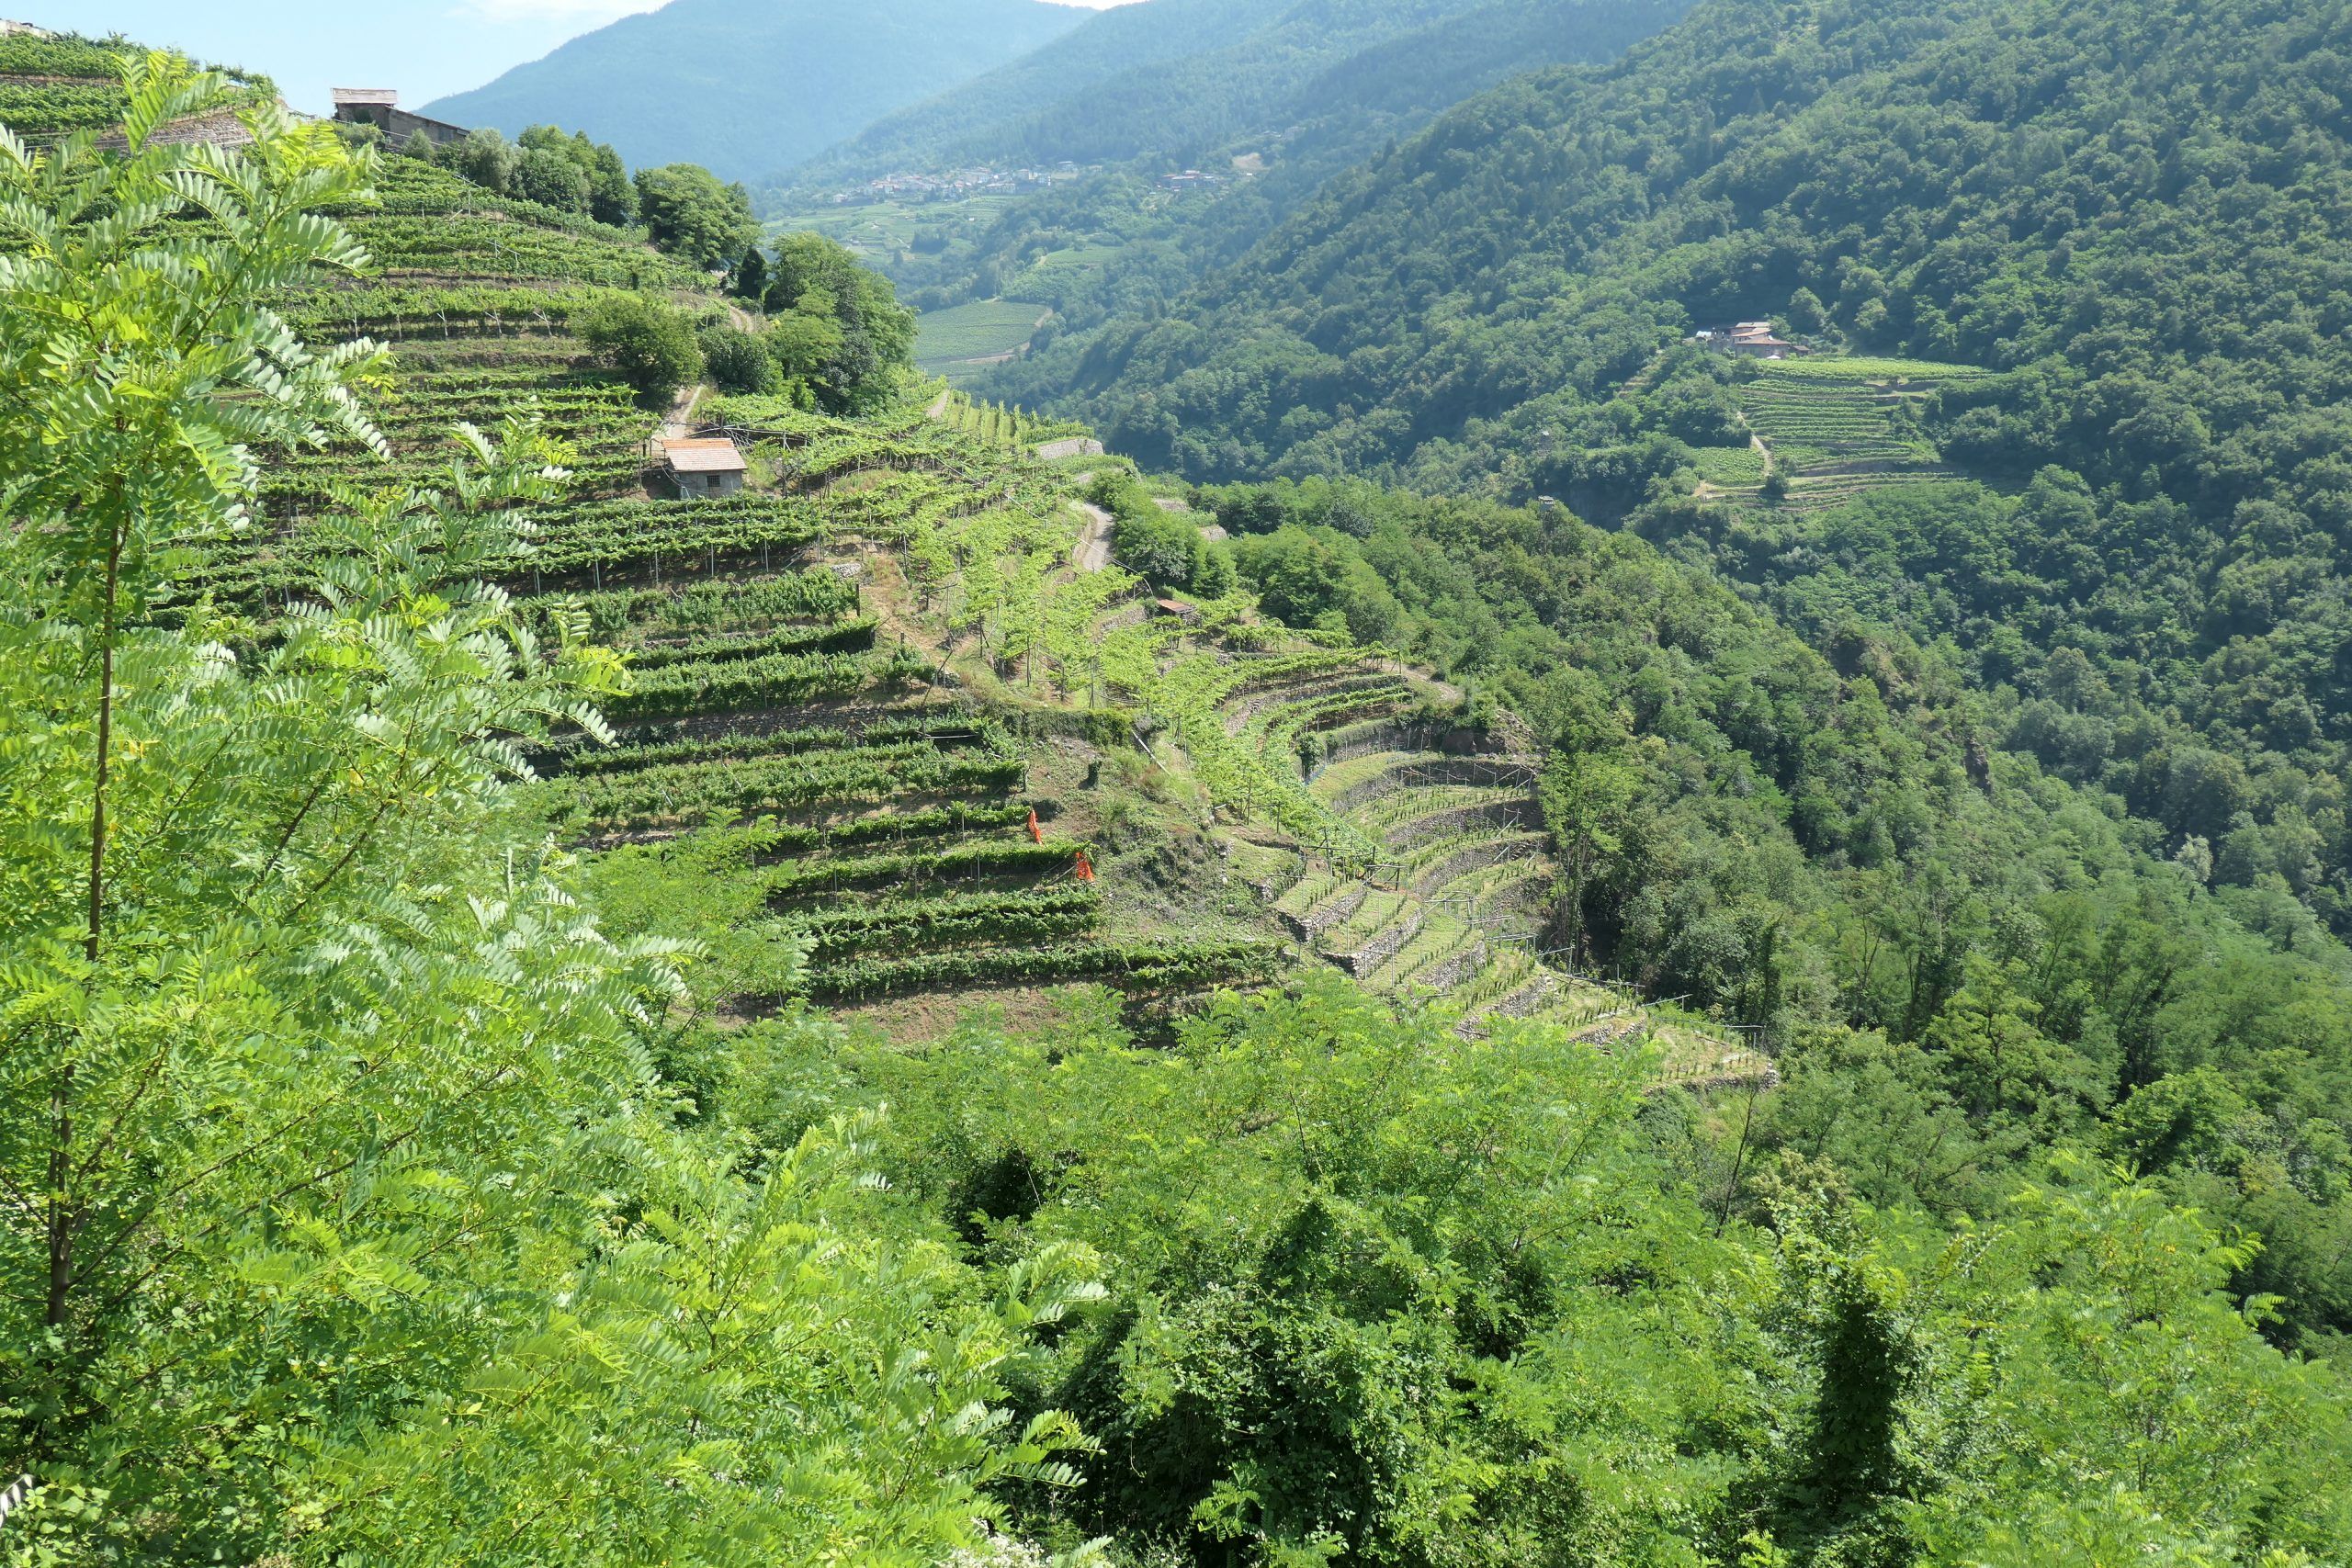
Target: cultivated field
{"type": "Point", "coordinates": [962, 342]}
{"type": "Point", "coordinates": [1833, 427]}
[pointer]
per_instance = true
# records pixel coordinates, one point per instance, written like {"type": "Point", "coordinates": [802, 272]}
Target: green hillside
{"type": "Point", "coordinates": [1269, 106]}
{"type": "Point", "coordinates": [50, 86]}
{"type": "Point", "coordinates": [746, 91]}
{"type": "Point", "coordinates": [2166, 369]}
{"type": "Point", "coordinates": [965, 1004]}
{"type": "Point", "coordinates": [962, 342]}
{"type": "Point", "coordinates": [971, 120]}
{"type": "Point", "coordinates": [1182, 78]}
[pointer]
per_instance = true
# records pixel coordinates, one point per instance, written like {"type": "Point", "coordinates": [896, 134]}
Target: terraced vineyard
{"type": "Point", "coordinates": [1389, 838]}
{"type": "Point", "coordinates": [1833, 427]}
{"type": "Point", "coordinates": [53, 86]}
{"type": "Point", "coordinates": [949, 753]}
{"type": "Point", "coordinates": [890, 810]}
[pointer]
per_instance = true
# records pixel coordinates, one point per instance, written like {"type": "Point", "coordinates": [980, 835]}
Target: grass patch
{"type": "Point", "coordinates": [1860, 367]}
{"type": "Point", "coordinates": [1730, 467]}
{"type": "Point", "coordinates": [978, 330]}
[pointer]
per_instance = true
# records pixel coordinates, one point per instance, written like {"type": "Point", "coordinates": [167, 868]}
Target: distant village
{"type": "Point", "coordinates": [979, 180]}
{"type": "Point", "coordinates": [984, 180]}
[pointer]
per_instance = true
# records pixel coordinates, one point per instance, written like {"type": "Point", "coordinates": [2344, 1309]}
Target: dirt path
{"type": "Point", "coordinates": [939, 405]}
{"type": "Point", "coordinates": [681, 421]}
{"type": "Point", "coordinates": [1093, 551]}
{"type": "Point", "coordinates": [1709, 491]}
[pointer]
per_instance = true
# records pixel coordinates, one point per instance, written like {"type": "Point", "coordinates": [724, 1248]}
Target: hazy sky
{"type": "Point", "coordinates": [423, 48]}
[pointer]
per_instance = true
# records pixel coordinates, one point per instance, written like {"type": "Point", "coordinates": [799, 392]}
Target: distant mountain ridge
{"type": "Point", "coordinates": [1312, 118]}
{"type": "Point", "coordinates": [2131, 224]}
{"type": "Point", "coordinates": [745, 90]}
{"type": "Point", "coordinates": [1178, 78]}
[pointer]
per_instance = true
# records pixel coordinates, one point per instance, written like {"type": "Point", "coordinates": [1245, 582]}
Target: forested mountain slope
{"type": "Point", "coordinates": [1151, 36]}
{"type": "Point", "coordinates": [2137, 215]}
{"type": "Point", "coordinates": [745, 90]}
{"type": "Point", "coordinates": [1117, 245]}
{"type": "Point", "coordinates": [1183, 79]}
{"type": "Point", "coordinates": [536, 1013]}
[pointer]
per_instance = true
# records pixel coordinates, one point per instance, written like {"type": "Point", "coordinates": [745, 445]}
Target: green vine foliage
{"type": "Point", "coordinates": [342, 1215]}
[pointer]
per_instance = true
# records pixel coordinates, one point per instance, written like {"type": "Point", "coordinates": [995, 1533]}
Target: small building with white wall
{"type": "Point", "coordinates": [703, 467]}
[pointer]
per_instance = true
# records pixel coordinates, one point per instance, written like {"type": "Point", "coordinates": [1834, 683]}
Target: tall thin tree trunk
{"type": "Point", "coordinates": [61, 1202]}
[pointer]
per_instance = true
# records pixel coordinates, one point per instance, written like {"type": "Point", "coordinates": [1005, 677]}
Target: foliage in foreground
{"type": "Point", "coordinates": [355, 1205]}
{"type": "Point", "coordinates": [341, 1214]}
{"type": "Point", "coordinates": [1382, 1295]}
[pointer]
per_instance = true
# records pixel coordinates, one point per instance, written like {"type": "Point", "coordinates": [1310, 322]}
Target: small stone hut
{"type": "Point", "coordinates": [704, 468]}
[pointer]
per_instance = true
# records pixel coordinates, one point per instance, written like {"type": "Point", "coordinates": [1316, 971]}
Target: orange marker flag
{"type": "Point", "coordinates": [1037, 834]}
{"type": "Point", "coordinates": [1085, 867]}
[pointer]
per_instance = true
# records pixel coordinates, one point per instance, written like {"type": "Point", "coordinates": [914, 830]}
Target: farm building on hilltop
{"type": "Point", "coordinates": [23, 30]}
{"type": "Point", "coordinates": [704, 466]}
{"type": "Point", "coordinates": [380, 107]}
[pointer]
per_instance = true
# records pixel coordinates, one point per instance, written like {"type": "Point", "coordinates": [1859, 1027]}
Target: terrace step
{"type": "Point", "coordinates": [1457, 863]}
{"type": "Point", "coordinates": [1383, 944]}
{"type": "Point", "coordinates": [1407, 736]}
{"type": "Point", "coordinates": [1523, 1002]}
{"type": "Point", "coordinates": [1333, 910]}
{"type": "Point", "coordinates": [1444, 953]}
{"type": "Point", "coordinates": [1446, 974]}
{"type": "Point", "coordinates": [1417, 769]}
{"type": "Point", "coordinates": [1260, 700]}
{"type": "Point", "coordinates": [1614, 1030]}
{"type": "Point", "coordinates": [1515, 811]}
{"type": "Point", "coordinates": [1328, 710]}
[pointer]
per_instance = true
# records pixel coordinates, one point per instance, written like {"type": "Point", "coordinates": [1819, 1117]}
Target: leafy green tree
{"type": "Point", "coordinates": [484, 157]}
{"type": "Point", "coordinates": [1308, 580]}
{"type": "Point", "coordinates": [342, 1216]}
{"type": "Point", "coordinates": [751, 279]}
{"type": "Point", "coordinates": [551, 179]}
{"type": "Point", "coordinates": [649, 343]}
{"type": "Point", "coordinates": [1806, 313]}
{"type": "Point", "coordinates": [1587, 794]}
{"type": "Point", "coordinates": [694, 217]}
{"type": "Point", "coordinates": [737, 361]}
{"type": "Point", "coordinates": [1158, 545]}
{"type": "Point", "coordinates": [812, 277]}
{"type": "Point", "coordinates": [588, 176]}
{"type": "Point", "coordinates": [805, 347]}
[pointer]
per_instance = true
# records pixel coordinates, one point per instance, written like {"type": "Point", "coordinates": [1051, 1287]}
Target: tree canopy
{"type": "Point", "coordinates": [691, 215]}
{"type": "Point", "coordinates": [835, 325]}
{"type": "Point", "coordinates": [382, 1183]}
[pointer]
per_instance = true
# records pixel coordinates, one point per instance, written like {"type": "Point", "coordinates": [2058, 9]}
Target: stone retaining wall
{"type": "Point", "coordinates": [1406, 734]}
{"type": "Point", "coordinates": [1519, 814]}
{"type": "Point", "coordinates": [1474, 857]}
{"type": "Point", "coordinates": [1502, 772]}
{"type": "Point", "coordinates": [1331, 912]}
{"type": "Point", "coordinates": [1383, 947]}
{"type": "Point", "coordinates": [1447, 975]}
